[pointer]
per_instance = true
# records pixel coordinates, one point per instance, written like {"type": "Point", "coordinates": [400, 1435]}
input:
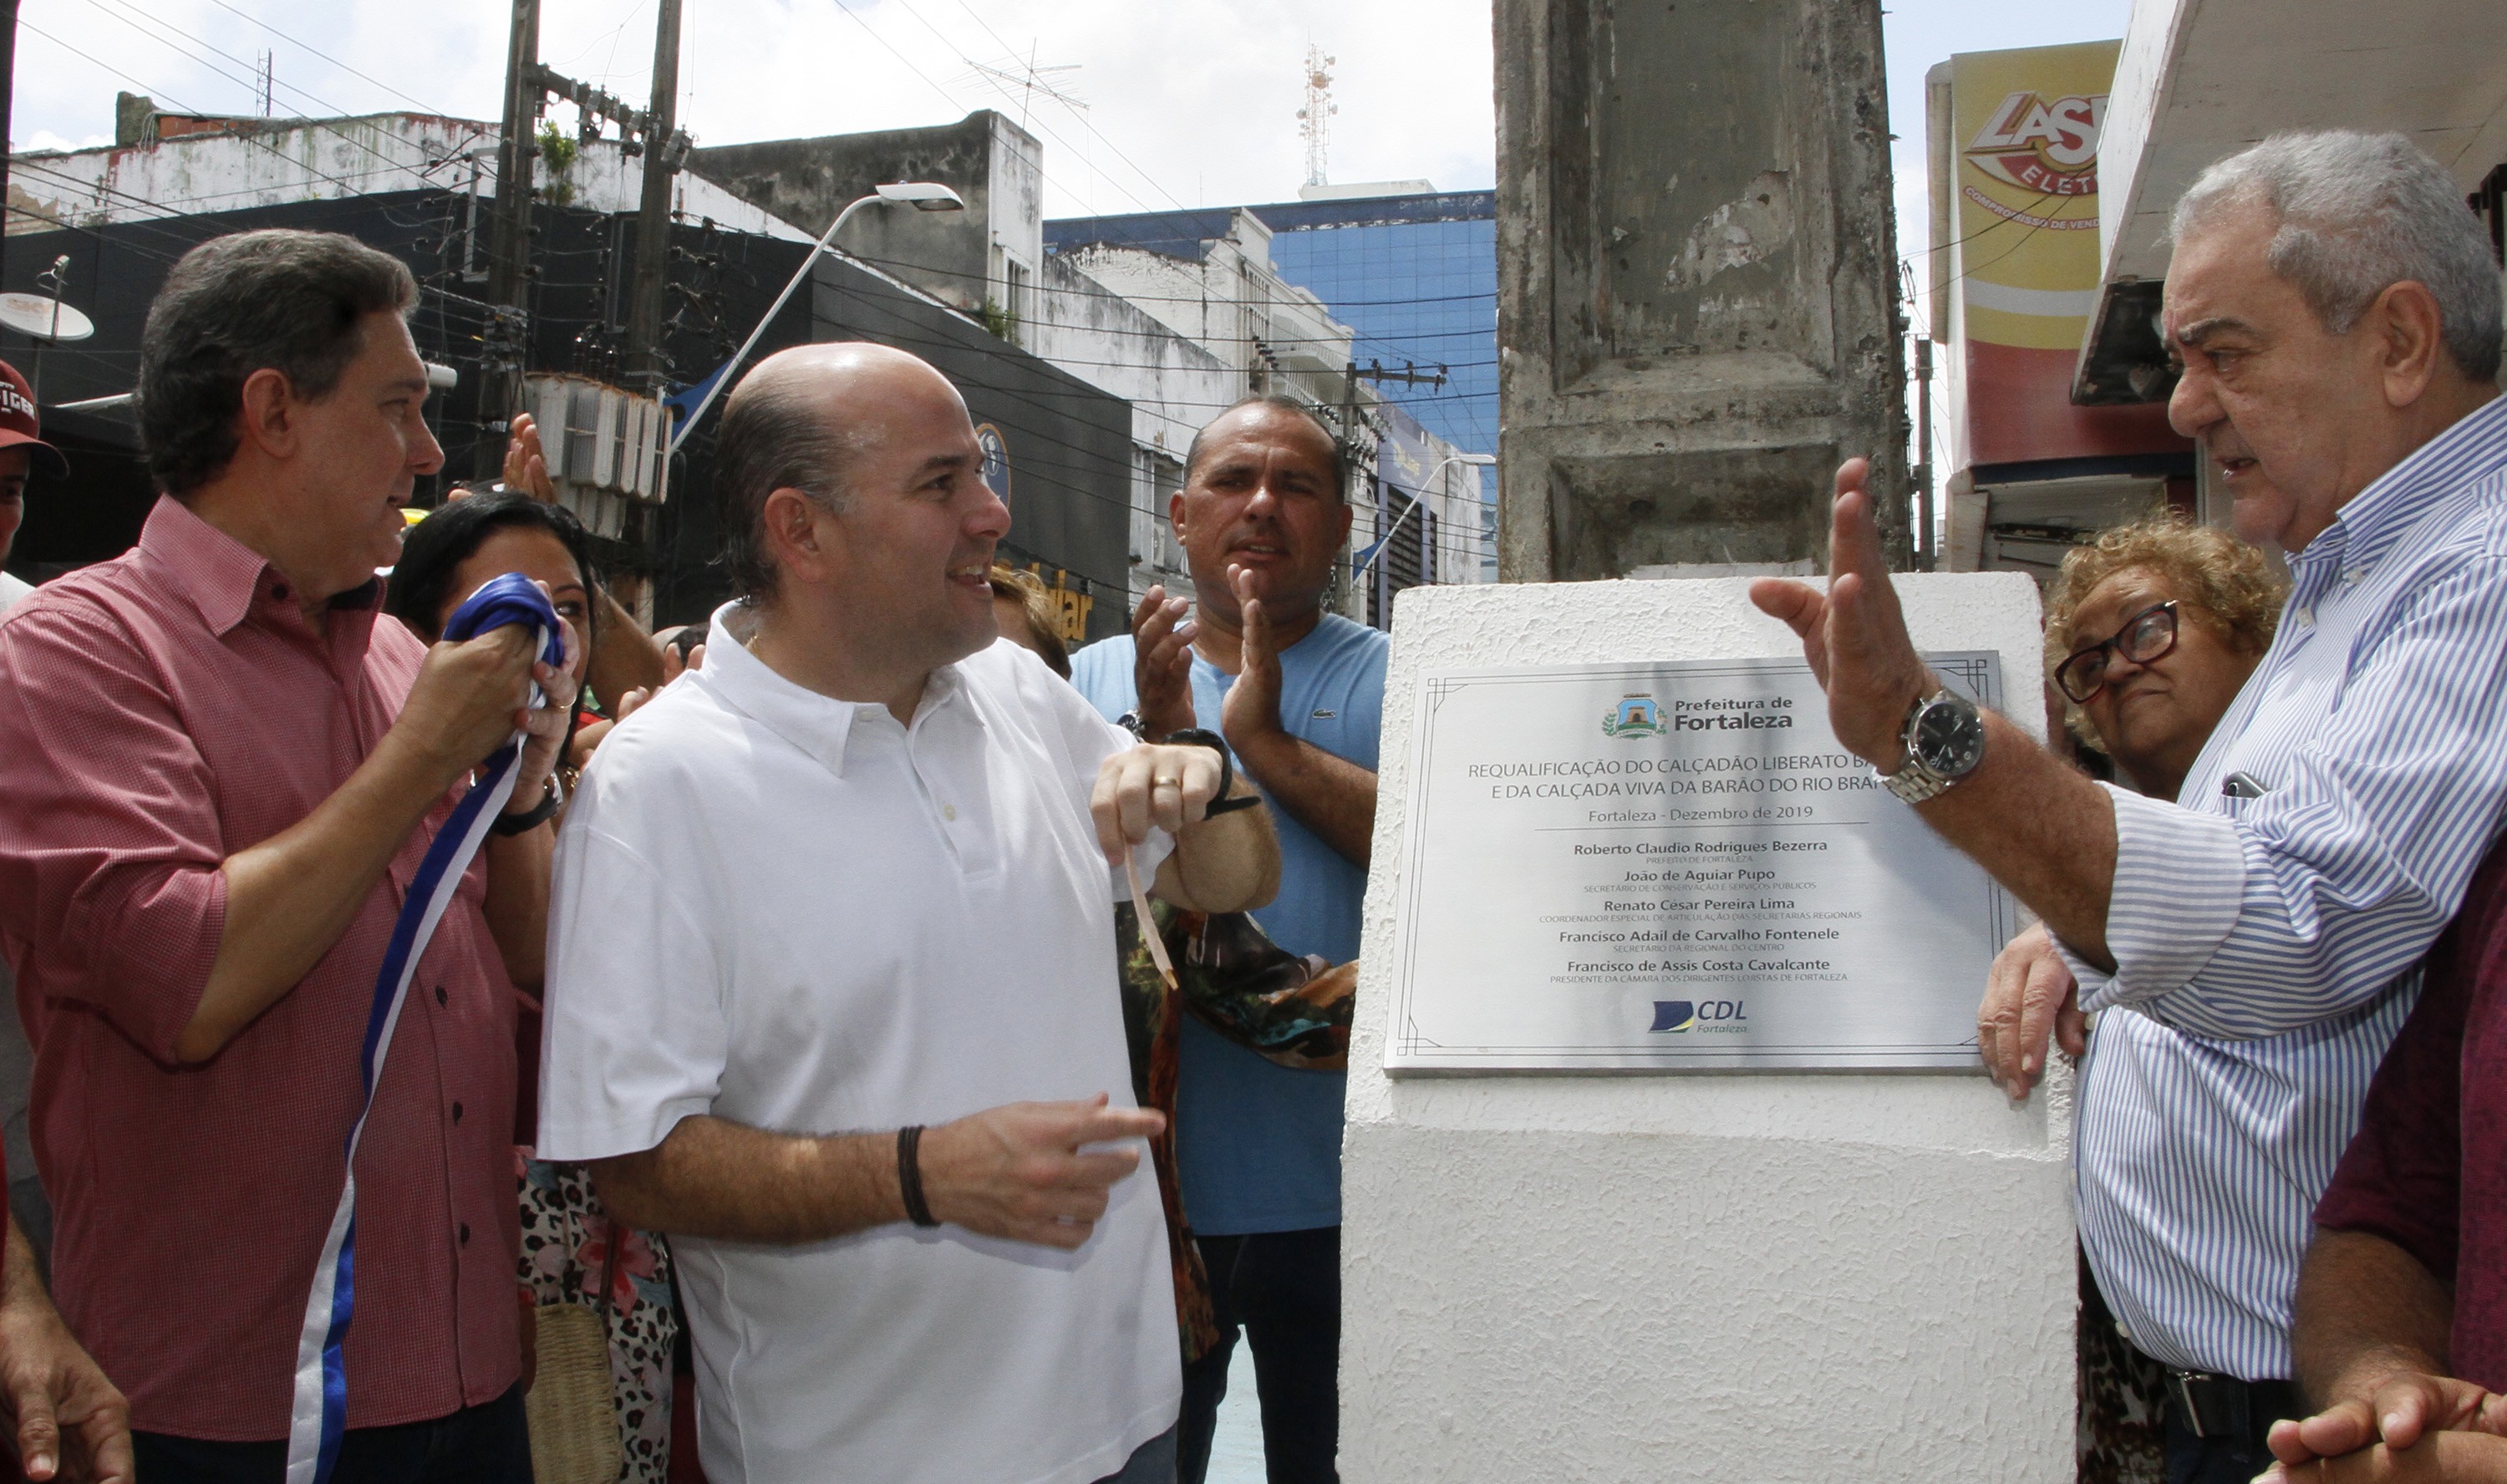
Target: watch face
{"type": "Point", "coordinates": [1950, 737]}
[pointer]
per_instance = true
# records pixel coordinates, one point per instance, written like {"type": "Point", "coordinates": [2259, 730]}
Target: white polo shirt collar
{"type": "Point", "coordinates": [818, 724]}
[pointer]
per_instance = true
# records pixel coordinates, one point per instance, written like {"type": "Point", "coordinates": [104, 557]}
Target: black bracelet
{"type": "Point", "coordinates": [908, 1175]}
{"type": "Point", "coordinates": [1220, 802]}
{"type": "Point", "coordinates": [551, 799]}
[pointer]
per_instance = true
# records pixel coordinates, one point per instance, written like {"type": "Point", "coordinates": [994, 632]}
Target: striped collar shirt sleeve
{"type": "Point", "coordinates": [2377, 728]}
{"type": "Point", "coordinates": [2266, 945]}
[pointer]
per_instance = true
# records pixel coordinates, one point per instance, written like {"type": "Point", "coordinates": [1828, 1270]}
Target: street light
{"type": "Point", "coordinates": [1476, 460]}
{"type": "Point", "coordinates": [920, 195]}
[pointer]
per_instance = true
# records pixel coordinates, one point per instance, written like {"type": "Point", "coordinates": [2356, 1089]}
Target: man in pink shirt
{"type": "Point", "coordinates": [221, 767]}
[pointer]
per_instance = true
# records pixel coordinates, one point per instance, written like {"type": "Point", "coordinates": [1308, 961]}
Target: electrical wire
{"type": "Point", "coordinates": [247, 136]}
{"type": "Point", "coordinates": [1048, 130]}
{"type": "Point", "coordinates": [946, 95]}
{"type": "Point", "coordinates": [333, 61]}
{"type": "Point", "coordinates": [1040, 469]}
{"type": "Point", "coordinates": [1151, 181]}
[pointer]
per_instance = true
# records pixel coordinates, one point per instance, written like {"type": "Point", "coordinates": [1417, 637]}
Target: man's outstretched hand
{"type": "Point", "coordinates": [1854, 635]}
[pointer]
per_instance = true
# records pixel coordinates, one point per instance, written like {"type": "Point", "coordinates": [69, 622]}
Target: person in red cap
{"type": "Point", "coordinates": [63, 1401]}
{"type": "Point", "coordinates": [22, 443]}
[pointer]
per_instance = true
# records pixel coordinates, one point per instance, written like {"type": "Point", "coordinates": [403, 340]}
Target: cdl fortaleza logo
{"type": "Point", "coordinates": [1682, 1015]}
{"type": "Point", "coordinates": [1635, 715]}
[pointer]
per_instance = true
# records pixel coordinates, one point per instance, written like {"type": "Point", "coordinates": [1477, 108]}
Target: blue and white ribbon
{"type": "Point", "coordinates": [319, 1419]}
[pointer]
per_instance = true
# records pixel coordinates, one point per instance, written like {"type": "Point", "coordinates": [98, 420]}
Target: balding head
{"type": "Point", "coordinates": [803, 419]}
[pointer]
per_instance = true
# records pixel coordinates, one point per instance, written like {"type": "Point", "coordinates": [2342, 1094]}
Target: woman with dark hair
{"type": "Point", "coordinates": [571, 1248]}
{"type": "Point", "coordinates": [445, 557]}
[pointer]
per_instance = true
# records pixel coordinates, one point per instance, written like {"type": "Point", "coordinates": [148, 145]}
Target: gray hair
{"type": "Point", "coordinates": [778, 433]}
{"type": "Point", "coordinates": [290, 302]}
{"type": "Point", "coordinates": [2359, 213]}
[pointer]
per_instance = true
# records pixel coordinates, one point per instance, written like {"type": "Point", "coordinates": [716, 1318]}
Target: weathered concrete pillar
{"type": "Point", "coordinates": [1697, 282]}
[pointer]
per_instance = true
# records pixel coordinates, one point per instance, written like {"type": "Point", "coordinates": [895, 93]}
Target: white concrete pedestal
{"type": "Point", "coordinates": [1727, 1276]}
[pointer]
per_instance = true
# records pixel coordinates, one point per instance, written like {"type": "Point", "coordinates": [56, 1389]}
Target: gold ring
{"type": "Point", "coordinates": [1168, 782]}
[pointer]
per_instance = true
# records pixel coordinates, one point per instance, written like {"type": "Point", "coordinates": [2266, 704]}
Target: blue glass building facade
{"type": "Point", "coordinates": [1415, 277]}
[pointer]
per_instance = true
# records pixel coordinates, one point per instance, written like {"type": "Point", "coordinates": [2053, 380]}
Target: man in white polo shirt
{"type": "Point", "coordinates": [832, 992]}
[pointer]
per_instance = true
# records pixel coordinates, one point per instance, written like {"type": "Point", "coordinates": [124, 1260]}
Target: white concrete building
{"type": "Point", "coordinates": [1183, 334]}
{"type": "Point", "coordinates": [1233, 302]}
{"type": "Point", "coordinates": [1173, 384]}
{"type": "Point", "coordinates": [187, 166]}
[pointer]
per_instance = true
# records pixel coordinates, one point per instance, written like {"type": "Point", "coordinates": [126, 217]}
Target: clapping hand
{"type": "Point", "coordinates": [1162, 633]}
{"type": "Point", "coordinates": [1252, 712]}
{"type": "Point", "coordinates": [525, 464]}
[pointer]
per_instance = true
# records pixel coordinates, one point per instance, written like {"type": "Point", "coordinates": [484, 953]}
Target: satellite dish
{"type": "Point", "coordinates": [40, 318]}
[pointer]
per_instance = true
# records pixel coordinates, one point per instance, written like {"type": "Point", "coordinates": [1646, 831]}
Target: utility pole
{"type": "Point", "coordinates": [644, 366]}
{"type": "Point", "coordinates": [1927, 552]}
{"type": "Point", "coordinates": [509, 269]}
{"type": "Point", "coordinates": [7, 90]}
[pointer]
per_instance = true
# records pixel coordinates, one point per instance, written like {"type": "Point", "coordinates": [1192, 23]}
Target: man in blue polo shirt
{"type": "Point", "coordinates": [1298, 693]}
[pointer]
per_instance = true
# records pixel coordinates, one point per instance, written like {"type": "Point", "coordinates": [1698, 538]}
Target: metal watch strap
{"type": "Point", "coordinates": [1914, 783]}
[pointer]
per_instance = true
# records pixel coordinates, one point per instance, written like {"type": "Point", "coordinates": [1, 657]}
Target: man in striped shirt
{"type": "Point", "coordinates": [2336, 311]}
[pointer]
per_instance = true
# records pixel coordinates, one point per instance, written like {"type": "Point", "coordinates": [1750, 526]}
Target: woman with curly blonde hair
{"type": "Point", "coordinates": [2150, 630]}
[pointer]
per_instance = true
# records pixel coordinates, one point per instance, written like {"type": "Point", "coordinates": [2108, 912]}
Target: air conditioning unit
{"type": "Point", "coordinates": [606, 447]}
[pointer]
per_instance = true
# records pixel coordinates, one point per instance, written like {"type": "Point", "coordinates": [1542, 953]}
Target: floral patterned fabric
{"type": "Point", "coordinates": [565, 1236]}
{"type": "Point", "coordinates": [2122, 1398]}
{"type": "Point", "coordinates": [1293, 1011]}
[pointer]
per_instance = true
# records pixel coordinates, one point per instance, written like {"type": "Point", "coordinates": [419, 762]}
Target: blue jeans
{"type": "Point", "coordinates": [2232, 1458]}
{"type": "Point", "coordinates": [1151, 1463]}
{"type": "Point", "coordinates": [1282, 1290]}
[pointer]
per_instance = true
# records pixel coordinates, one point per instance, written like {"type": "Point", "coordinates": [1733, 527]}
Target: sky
{"type": "Point", "coordinates": [1179, 102]}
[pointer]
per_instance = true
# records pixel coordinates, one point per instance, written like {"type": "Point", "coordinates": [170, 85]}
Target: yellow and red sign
{"type": "Point", "coordinates": [2023, 189]}
{"type": "Point", "coordinates": [2047, 147]}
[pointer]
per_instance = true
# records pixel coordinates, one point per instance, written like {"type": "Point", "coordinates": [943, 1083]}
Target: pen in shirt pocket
{"type": "Point", "coordinates": [2241, 785]}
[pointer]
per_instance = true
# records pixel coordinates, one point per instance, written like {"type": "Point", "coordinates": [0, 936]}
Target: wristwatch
{"type": "Point", "coordinates": [551, 799]}
{"type": "Point", "coordinates": [1944, 740]}
{"type": "Point", "coordinates": [1220, 802]}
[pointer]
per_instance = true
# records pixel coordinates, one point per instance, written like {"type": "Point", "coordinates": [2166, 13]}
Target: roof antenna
{"type": "Point", "coordinates": [1314, 121]}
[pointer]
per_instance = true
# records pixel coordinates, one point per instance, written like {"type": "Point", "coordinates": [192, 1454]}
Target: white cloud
{"type": "Point", "coordinates": [45, 139]}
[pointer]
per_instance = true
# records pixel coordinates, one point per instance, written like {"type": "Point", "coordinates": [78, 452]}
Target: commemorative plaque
{"type": "Point", "coordinates": [1675, 866]}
